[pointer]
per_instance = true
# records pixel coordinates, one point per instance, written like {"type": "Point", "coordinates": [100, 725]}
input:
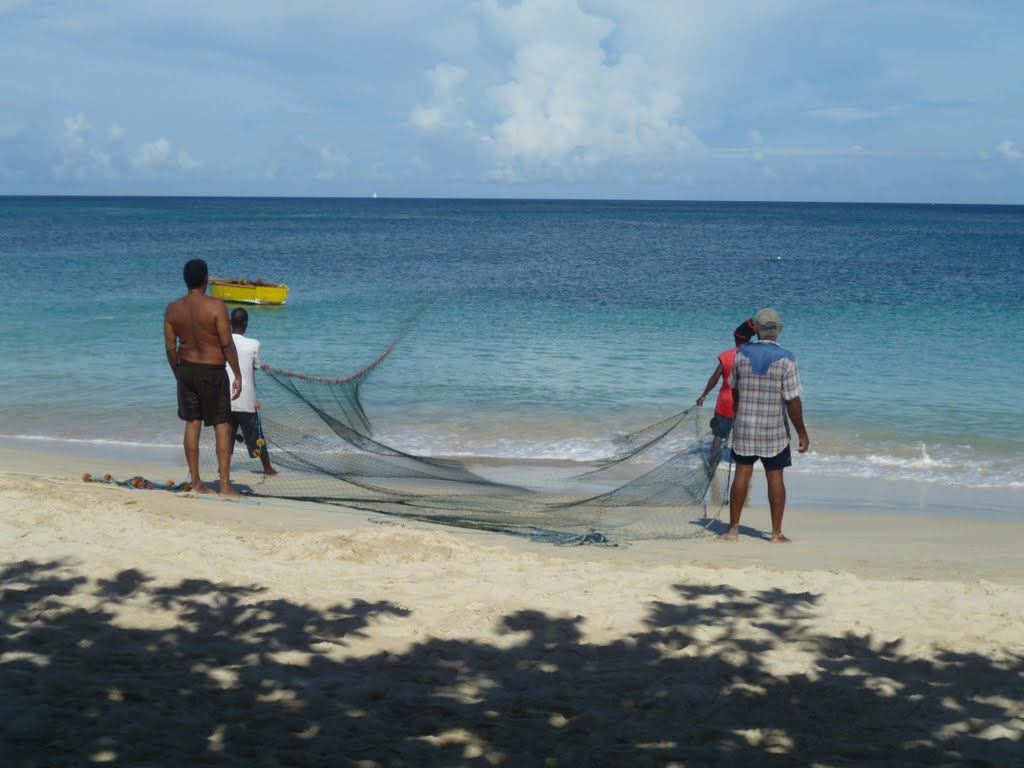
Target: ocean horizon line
{"type": "Point", "coordinates": [509, 199]}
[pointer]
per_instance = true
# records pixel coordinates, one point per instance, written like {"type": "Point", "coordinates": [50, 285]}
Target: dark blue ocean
{"type": "Point", "coordinates": [550, 326]}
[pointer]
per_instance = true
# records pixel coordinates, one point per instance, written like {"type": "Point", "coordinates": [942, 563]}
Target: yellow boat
{"type": "Point", "coordinates": [248, 291]}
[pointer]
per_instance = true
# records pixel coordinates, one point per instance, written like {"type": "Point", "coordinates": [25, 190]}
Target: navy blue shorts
{"type": "Point", "coordinates": [781, 460]}
{"type": "Point", "coordinates": [721, 426]}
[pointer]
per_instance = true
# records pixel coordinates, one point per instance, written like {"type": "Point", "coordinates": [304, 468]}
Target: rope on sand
{"type": "Point", "coordinates": [138, 482]}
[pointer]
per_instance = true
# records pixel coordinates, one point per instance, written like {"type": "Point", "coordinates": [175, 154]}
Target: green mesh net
{"type": "Point", "coordinates": [659, 483]}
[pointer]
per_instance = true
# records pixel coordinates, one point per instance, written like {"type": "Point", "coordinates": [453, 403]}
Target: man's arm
{"type": "Point", "coordinates": [711, 384]}
{"type": "Point", "coordinates": [796, 414]}
{"type": "Point", "coordinates": [170, 343]}
{"type": "Point", "coordinates": [227, 344]}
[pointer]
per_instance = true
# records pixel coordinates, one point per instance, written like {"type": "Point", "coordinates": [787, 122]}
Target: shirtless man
{"type": "Point", "coordinates": [197, 337]}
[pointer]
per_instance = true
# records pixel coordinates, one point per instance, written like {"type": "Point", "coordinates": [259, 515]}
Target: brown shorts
{"type": "Point", "coordinates": [203, 393]}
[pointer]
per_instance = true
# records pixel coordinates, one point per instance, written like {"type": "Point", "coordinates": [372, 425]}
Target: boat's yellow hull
{"type": "Point", "coordinates": [240, 292]}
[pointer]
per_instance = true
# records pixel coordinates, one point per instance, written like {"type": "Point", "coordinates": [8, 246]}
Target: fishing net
{"type": "Point", "coordinates": [658, 483]}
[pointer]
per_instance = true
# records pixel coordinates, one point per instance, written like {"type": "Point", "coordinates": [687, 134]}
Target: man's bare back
{"type": "Point", "coordinates": [196, 330]}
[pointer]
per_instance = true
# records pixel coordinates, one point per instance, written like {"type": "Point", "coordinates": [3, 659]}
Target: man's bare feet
{"type": "Point", "coordinates": [200, 488]}
{"type": "Point", "coordinates": [226, 489]}
{"type": "Point", "coordinates": [731, 535]}
{"type": "Point", "coordinates": [778, 538]}
{"type": "Point", "coordinates": [269, 471]}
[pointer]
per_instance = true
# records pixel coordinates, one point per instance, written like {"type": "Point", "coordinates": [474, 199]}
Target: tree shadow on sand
{"type": "Point", "coordinates": [233, 678]}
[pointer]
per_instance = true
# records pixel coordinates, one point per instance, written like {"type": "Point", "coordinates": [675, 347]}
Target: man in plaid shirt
{"type": "Point", "coordinates": [766, 387]}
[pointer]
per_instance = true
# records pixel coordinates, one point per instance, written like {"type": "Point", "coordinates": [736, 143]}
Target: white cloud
{"type": "Point", "coordinates": [151, 154]}
{"type": "Point", "coordinates": [95, 164]}
{"type": "Point", "coordinates": [160, 155]}
{"type": "Point", "coordinates": [64, 170]}
{"type": "Point", "coordinates": [82, 157]}
{"type": "Point", "coordinates": [102, 162]}
{"type": "Point", "coordinates": [329, 164]}
{"type": "Point", "coordinates": [187, 162]}
{"type": "Point", "coordinates": [543, 21]}
{"type": "Point", "coordinates": [446, 78]}
{"type": "Point", "coordinates": [427, 118]}
{"type": "Point", "coordinates": [79, 160]}
{"type": "Point", "coordinates": [567, 105]}
{"type": "Point", "coordinates": [444, 107]}
{"type": "Point", "coordinates": [1010, 151]}
{"type": "Point", "coordinates": [76, 129]}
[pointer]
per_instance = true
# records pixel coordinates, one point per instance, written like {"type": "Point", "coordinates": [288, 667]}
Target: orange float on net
{"type": "Point", "coordinates": [277, 370]}
{"type": "Point", "coordinates": [86, 478]}
{"type": "Point", "coordinates": [256, 453]}
{"type": "Point", "coordinates": [265, 366]}
{"type": "Point", "coordinates": [107, 477]}
{"type": "Point", "coordinates": [261, 442]}
{"type": "Point", "coordinates": [169, 484]}
{"type": "Point", "coordinates": [302, 375]}
{"type": "Point", "coordinates": [258, 406]}
{"type": "Point", "coordinates": [186, 487]}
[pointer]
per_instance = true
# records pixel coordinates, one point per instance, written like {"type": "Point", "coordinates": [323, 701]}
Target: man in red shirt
{"type": "Point", "coordinates": [725, 412]}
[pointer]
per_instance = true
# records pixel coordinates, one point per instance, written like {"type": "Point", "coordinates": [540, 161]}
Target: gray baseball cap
{"type": "Point", "coordinates": [768, 321]}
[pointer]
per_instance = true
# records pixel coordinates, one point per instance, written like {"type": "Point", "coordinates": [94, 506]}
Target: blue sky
{"type": "Point", "coordinates": [817, 100]}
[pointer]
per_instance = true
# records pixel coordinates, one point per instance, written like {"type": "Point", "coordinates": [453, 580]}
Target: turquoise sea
{"type": "Point", "coordinates": [549, 326]}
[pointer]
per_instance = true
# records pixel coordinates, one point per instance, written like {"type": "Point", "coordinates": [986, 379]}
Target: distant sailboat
{"type": "Point", "coordinates": [374, 195]}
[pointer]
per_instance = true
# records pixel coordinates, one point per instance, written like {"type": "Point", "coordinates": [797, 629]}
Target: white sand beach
{"type": "Point", "coordinates": [150, 628]}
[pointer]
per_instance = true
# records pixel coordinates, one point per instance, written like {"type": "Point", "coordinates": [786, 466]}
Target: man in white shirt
{"type": "Point", "coordinates": [244, 418]}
